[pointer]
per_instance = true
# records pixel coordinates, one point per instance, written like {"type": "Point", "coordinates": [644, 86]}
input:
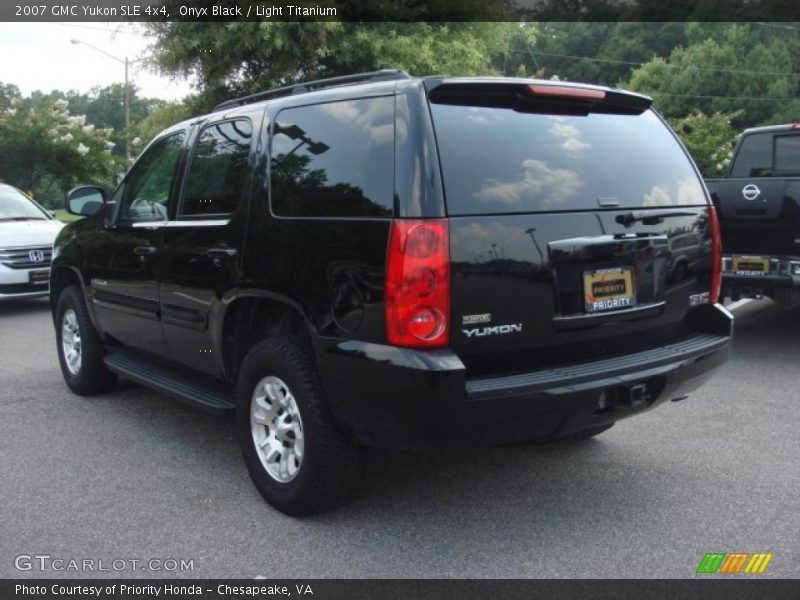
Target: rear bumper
{"type": "Point", "coordinates": [780, 278]}
{"type": "Point", "coordinates": [395, 397]}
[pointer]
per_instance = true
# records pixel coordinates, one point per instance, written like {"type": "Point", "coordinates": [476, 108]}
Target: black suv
{"type": "Point", "coordinates": [382, 260]}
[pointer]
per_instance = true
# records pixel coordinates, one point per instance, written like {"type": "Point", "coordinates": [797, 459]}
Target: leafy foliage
{"type": "Point", "coordinates": [104, 108]}
{"type": "Point", "coordinates": [709, 138]}
{"type": "Point", "coordinates": [46, 150]}
{"type": "Point", "coordinates": [726, 67]}
{"type": "Point", "coordinates": [239, 58]}
{"type": "Point", "coordinates": [709, 79]}
{"type": "Point", "coordinates": [167, 114]}
{"type": "Point", "coordinates": [597, 52]}
{"type": "Point", "coordinates": [700, 74]}
{"type": "Point", "coordinates": [51, 141]}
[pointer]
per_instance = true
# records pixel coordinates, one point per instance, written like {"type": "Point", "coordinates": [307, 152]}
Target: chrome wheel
{"type": "Point", "coordinates": [71, 341]}
{"type": "Point", "coordinates": [277, 429]}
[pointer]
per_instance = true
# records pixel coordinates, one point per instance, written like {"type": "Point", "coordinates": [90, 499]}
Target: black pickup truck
{"type": "Point", "coordinates": [758, 204]}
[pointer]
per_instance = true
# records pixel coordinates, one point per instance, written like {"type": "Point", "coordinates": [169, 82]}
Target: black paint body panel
{"type": "Point", "coordinates": [521, 269]}
{"type": "Point", "coordinates": [760, 216]}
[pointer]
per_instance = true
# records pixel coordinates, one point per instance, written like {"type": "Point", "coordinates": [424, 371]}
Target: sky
{"type": "Point", "coordinates": [40, 56]}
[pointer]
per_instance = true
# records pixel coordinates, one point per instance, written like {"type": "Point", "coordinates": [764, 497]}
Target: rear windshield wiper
{"type": "Point", "coordinates": [650, 218]}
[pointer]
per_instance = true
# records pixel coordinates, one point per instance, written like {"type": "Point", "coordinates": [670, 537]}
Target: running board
{"type": "Point", "coordinates": [206, 396]}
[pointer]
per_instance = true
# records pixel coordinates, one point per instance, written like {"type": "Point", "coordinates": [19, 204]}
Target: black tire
{"type": "Point", "coordinates": [584, 434]}
{"type": "Point", "coordinates": [680, 272]}
{"type": "Point", "coordinates": [331, 461]}
{"type": "Point", "coordinates": [92, 377]}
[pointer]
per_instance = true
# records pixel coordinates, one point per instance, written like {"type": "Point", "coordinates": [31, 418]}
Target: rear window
{"type": "Point", "coordinates": [497, 160]}
{"type": "Point", "coordinates": [787, 153]}
{"type": "Point", "coordinates": [762, 154]}
{"type": "Point", "coordinates": [754, 157]}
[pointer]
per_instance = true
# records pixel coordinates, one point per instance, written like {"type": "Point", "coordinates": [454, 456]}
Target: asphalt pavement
{"type": "Point", "coordinates": [133, 475]}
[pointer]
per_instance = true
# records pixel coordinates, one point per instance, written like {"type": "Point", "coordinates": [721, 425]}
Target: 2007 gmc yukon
{"type": "Point", "coordinates": [382, 260]}
{"type": "Point", "coordinates": [758, 204]}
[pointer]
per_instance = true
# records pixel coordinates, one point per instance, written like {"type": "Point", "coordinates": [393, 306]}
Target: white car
{"type": "Point", "coordinates": [27, 233]}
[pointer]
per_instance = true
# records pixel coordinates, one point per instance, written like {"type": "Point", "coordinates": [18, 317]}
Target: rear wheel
{"type": "Point", "coordinates": [299, 460]}
{"type": "Point", "coordinates": [80, 349]}
{"type": "Point", "coordinates": [680, 271]}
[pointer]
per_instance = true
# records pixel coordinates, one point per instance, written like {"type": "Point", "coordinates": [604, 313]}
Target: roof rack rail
{"type": "Point", "coordinates": [308, 86]}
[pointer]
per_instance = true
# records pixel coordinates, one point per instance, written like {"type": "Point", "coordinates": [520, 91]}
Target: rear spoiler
{"type": "Point", "coordinates": [536, 96]}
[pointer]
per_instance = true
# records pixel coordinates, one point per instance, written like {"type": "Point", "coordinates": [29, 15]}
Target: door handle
{"type": "Point", "coordinates": [220, 252]}
{"type": "Point", "coordinates": [145, 250]}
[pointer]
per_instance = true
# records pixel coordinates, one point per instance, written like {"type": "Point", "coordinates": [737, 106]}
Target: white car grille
{"type": "Point", "coordinates": [30, 257]}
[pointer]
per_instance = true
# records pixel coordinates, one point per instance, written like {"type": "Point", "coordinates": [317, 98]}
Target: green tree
{"type": "Point", "coordinates": [238, 58]}
{"type": "Point", "coordinates": [104, 107]}
{"type": "Point", "coordinates": [594, 52]}
{"type": "Point", "coordinates": [47, 150]}
{"type": "Point", "coordinates": [709, 138]}
{"type": "Point", "coordinates": [9, 93]}
{"type": "Point", "coordinates": [159, 119]}
{"type": "Point", "coordinates": [723, 68]}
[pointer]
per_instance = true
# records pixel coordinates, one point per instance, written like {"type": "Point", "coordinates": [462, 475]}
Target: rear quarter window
{"type": "Point", "coordinates": [497, 160]}
{"type": "Point", "coordinates": [334, 159]}
{"type": "Point", "coordinates": [754, 156]}
{"type": "Point", "coordinates": [768, 153]}
{"type": "Point", "coordinates": [787, 153]}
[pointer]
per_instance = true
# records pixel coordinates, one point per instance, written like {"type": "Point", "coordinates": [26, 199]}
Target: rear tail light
{"type": "Point", "coordinates": [716, 255]}
{"type": "Point", "coordinates": [418, 283]}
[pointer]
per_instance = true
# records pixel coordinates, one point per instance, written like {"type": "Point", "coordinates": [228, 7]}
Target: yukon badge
{"type": "Point", "coordinates": [494, 330]}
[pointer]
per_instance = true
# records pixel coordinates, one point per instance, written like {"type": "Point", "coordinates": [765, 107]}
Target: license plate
{"type": "Point", "coordinates": [750, 265]}
{"type": "Point", "coordinates": [608, 289]}
{"type": "Point", "coordinates": [39, 277]}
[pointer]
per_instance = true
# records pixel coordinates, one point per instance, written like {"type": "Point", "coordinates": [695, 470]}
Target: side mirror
{"type": "Point", "coordinates": [85, 201]}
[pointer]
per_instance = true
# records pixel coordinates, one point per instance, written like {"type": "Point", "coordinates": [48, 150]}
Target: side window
{"type": "Point", "coordinates": [218, 170]}
{"type": "Point", "coordinates": [145, 193]}
{"type": "Point", "coordinates": [754, 156]}
{"type": "Point", "coordinates": [787, 153]}
{"type": "Point", "coordinates": [334, 159]}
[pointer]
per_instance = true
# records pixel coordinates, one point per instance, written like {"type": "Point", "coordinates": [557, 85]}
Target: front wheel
{"type": "Point", "coordinates": [299, 460]}
{"type": "Point", "coordinates": [80, 349]}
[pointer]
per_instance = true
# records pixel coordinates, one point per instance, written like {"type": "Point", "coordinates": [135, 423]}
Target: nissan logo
{"type": "Point", "coordinates": [750, 192]}
{"type": "Point", "coordinates": [36, 255]}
